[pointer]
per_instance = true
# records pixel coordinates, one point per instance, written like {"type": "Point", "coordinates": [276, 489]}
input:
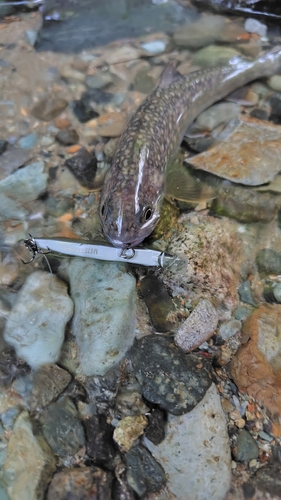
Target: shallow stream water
{"type": "Point", "coordinates": [120, 381]}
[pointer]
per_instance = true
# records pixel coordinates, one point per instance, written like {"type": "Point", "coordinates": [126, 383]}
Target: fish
{"type": "Point", "coordinates": [134, 186]}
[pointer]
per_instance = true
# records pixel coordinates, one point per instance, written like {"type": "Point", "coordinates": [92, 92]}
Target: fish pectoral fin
{"type": "Point", "coordinates": [169, 75]}
{"type": "Point", "coordinates": [182, 185]}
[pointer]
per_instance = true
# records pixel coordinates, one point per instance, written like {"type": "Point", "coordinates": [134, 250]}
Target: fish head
{"type": "Point", "coordinates": [124, 226]}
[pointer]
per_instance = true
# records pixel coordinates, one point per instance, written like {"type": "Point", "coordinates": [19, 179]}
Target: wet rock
{"type": "Point", "coordinates": [168, 377]}
{"type": "Point", "coordinates": [162, 310]}
{"type": "Point", "coordinates": [31, 36]}
{"type": "Point", "coordinates": [99, 81]}
{"type": "Point", "coordinates": [108, 124]}
{"type": "Point", "coordinates": [12, 159]}
{"type": "Point", "coordinates": [144, 474]}
{"type": "Point", "coordinates": [72, 75]}
{"type": "Point", "coordinates": [213, 55]}
{"type": "Point", "coordinates": [41, 387]}
{"type": "Point", "coordinates": [143, 82]}
{"type": "Point", "coordinates": [275, 107]}
{"type": "Point", "coordinates": [79, 483]}
{"type": "Point", "coordinates": [3, 146]}
{"type": "Point", "coordinates": [255, 143]}
{"type": "Point", "coordinates": [274, 82]}
{"type": "Point", "coordinates": [246, 447]}
{"type": "Point", "coordinates": [102, 390]}
{"type": "Point", "coordinates": [277, 292]}
{"type": "Point", "coordinates": [268, 261]}
{"type": "Point", "coordinates": [229, 329]}
{"type": "Point", "coordinates": [222, 112]}
{"type": "Point", "coordinates": [129, 399]}
{"type": "Point", "coordinates": [104, 319]}
{"type": "Point", "coordinates": [27, 453]}
{"type": "Point", "coordinates": [35, 327]}
{"type": "Point", "coordinates": [10, 209]}
{"type": "Point", "coordinates": [122, 54]}
{"type": "Point", "coordinates": [259, 113]}
{"type": "Point", "coordinates": [83, 110]}
{"type": "Point", "coordinates": [211, 270]}
{"type": "Point", "coordinates": [154, 47]}
{"type": "Point", "coordinates": [245, 293]}
{"type": "Point", "coordinates": [128, 430]}
{"type": "Point", "coordinates": [67, 137]}
{"type": "Point", "coordinates": [254, 26]}
{"type": "Point", "coordinates": [11, 367]}
{"type": "Point", "coordinates": [245, 205]}
{"type": "Point", "coordinates": [196, 451]}
{"type": "Point", "coordinates": [62, 428]}
{"type": "Point", "coordinates": [49, 108]}
{"type": "Point", "coordinates": [99, 439]}
{"type": "Point", "coordinates": [267, 480]}
{"type": "Point", "coordinates": [29, 141]}
{"type": "Point", "coordinates": [207, 30]}
{"type": "Point", "coordinates": [26, 184]}
{"type": "Point", "coordinates": [256, 367]}
{"type": "Point", "coordinates": [83, 166]}
{"type": "Point", "coordinates": [198, 327]}
{"type": "Point", "coordinates": [155, 431]}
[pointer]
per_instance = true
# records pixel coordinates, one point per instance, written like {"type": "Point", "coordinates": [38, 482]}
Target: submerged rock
{"type": "Point", "coordinates": [67, 137]}
{"type": "Point", "coordinates": [27, 453]}
{"type": "Point", "coordinates": [268, 261]}
{"type": "Point", "coordinates": [36, 324]}
{"type": "Point", "coordinates": [104, 321]}
{"type": "Point", "coordinates": [246, 447]}
{"type": "Point", "coordinates": [198, 327]}
{"type": "Point", "coordinates": [214, 55]}
{"type": "Point", "coordinates": [168, 377]}
{"type": "Point", "coordinates": [144, 474]}
{"type": "Point", "coordinates": [80, 483]}
{"type": "Point", "coordinates": [250, 155]}
{"type": "Point", "coordinates": [162, 310]}
{"type": "Point", "coordinates": [99, 439]}
{"type": "Point", "coordinates": [128, 430]}
{"type": "Point", "coordinates": [256, 368]}
{"type": "Point", "coordinates": [49, 108]}
{"type": "Point", "coordinates": [26, 184]}
{"type": "Point", "coordinates": [196, 451]}
{"type": "Point", "coordinates": [62, 428]}
{"type": "Point", "coordinates": [222, 112]}
{"type": "Point", "coordinates": [83, 166]}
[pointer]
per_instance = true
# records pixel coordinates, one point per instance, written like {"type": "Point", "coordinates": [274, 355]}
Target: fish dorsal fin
{"type": "Point", "coordinates": [169, 75]}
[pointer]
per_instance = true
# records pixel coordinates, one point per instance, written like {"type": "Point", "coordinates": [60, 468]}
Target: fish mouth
{"type": "Point", "coordinates": [123, 244]}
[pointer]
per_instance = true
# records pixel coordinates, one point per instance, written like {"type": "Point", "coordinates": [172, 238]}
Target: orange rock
{"type": "Point", "coordinates": [73, 149]}
{"type": "Point", "coordinates": [62, 122]}
{"type": "Point", "coordinates": [66, 217]}
{"type": "Point", "coordinates": [256, 368]}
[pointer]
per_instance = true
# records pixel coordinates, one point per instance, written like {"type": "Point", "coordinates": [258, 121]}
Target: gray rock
{"type": "Point", "coordinates": [268, 261]}
{"type": "Point", "coordinates": [98, 81]}
{"type": "Point", "coordinates": [3, 146]}
{"type": "Point", "coordinates": [277, 292]}
{"type": "Point", "coordinates": [144, 474]}
{"type": "Point", "coordinates": [12, 159]}
{"type": "Point", "coordinates": [143, 82]}
{"type": "Point", "coordinates": [35, 327]}
{"type": "Point", "coordinates": [80, 483]}
{"type": "Point", "coordinates": [213, 55]}
{"type": "Point", "coordinates": [26, 184]}
{"type": "Point", "coordinates": [62, 428]}
{"type": "Point", "coordinates": [245, 293]}
{"type": "Point", "coordinates": [195, 453]}
{"type": "Point", "coordinates": [254, 26]}
{"type": "Point", "coordinates": [42, 386]}
{"type": "Point", "coordinates": [83, 166]}
{"type": "Point", "coordinates": [99, 439]}
{"type": "Point", "coordinates": [168, 377]}
{"type": "Point", "coordinates": [198, 327]}
{"type": "Point", "coordinates": [246, 447]}
{"type": "Point", "coordinates": [48, 108]}
{"type": "Point", "coordinates": [31, 36]}
{"type": "Point", "coordinates": [26, 454]}
{"type": "Point", "coordinates": [229, 329]}
{"type": "Point", "coordinates": [67, 137]}
{"type": "Point", "coordinates": [29, 141]}
{"type": "Point", "coordinates": [10, 209]}
{"type": "Point", "coordinates": [104, 321]}
{"type": "Point", "coordinates": [222, 112]}
{"type": "Point", "coordinates": [154, 47]}
{"type": "Point", "coordinates": [274, 82]}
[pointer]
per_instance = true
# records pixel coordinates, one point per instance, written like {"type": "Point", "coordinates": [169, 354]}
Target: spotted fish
{"type": "Point", "coordinates": [134, 187]}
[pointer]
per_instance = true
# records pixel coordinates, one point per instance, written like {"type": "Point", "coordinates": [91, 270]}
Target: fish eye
{"type": "Point", "coordinates": [103, 212]}
{"type": "Point", "coordinates": [147, 214]}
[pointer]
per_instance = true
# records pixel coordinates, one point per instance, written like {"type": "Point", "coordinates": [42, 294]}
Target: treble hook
{"type": "Point", "coordinates": [32, 246]}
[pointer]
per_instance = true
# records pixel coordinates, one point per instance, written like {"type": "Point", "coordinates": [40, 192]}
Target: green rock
{"type": "Point", "coordinates": [246, 447]}
{"type": "Point", "coordinates": [268, 261]}
{"type": "Point", "coordinates": [213, 55]}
